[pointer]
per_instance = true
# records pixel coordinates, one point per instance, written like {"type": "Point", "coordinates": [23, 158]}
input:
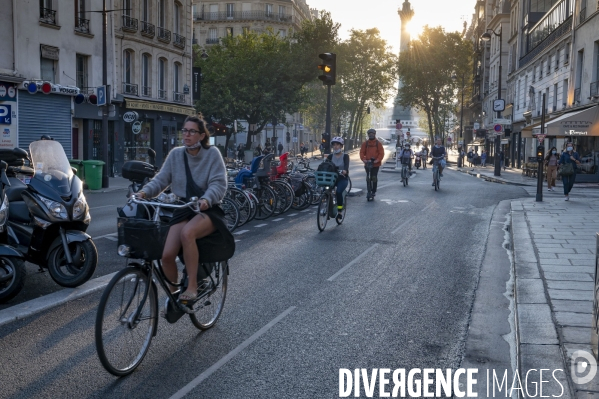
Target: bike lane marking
{"type": "Point", "coordinates": [240, 232]}
{"type": "Point", "coordinates": [262, 225]}
{"type": "Point", "coordinates": [344, 268]}
{"type": "Point", "coordinates": [196, 381]}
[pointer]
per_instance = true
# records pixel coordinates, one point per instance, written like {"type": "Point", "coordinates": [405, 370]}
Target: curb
{"type": "Point", "coordinates": [493, 179]}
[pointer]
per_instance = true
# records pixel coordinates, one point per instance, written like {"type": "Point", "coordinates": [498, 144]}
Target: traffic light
{"type": "Point", "coordinates": [368, 110]}
{"type": "Point", "coordinates": [288, 138]}
{"type": "Point", "coordinates": [328, 68]}
{"type": "Point", "coordinates": [540, 153]}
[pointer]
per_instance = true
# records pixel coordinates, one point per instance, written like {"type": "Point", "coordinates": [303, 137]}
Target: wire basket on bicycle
{"type": "Point", "coordinates": [325, 178]}
{"type": "Point", "coordinates": [143, 238]}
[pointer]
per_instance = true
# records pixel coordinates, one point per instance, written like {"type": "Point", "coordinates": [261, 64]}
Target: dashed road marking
{"type": "Point", "coordinates": [306, 210]}
{"type": "Point", "coordinates": [293, 214]}
{"type": "Point", "coordinates": [261, 225]}
{"type": "Point", "coordinates": [277, 220]}
{"type": "Point", "coordinates": [241, 232]}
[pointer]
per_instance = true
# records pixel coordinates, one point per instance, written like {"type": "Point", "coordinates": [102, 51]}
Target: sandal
{"type": "Point", "coordinates": [188, 296]}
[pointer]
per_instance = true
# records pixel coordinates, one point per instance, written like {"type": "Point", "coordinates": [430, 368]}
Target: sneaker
{"type": "Point", "coordinates": [549, 189]}
{"type": "Point", "coordinates": [339, 217]}
{"type": "Point", "coordinates": [567, 198]}
{"type": "Point", "coordinates": [433, 184]}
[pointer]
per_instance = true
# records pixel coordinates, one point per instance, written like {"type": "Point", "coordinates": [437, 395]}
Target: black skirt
{"type": "Point", "coordinates": [218, 246]}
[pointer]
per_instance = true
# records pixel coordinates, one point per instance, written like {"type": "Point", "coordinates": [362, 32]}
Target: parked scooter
{"type": "Point", "coordinates": [418, 161]}
{"type": "Point", "coordinates": [12, 262]}
{"type": "Point", "coordinates": [48, 216]}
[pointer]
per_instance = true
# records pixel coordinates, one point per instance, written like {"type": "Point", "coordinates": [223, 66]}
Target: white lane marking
{"type": "Point", "coordinates": [344, 268]}
{"type": "Point", "coordinates": [112, 238]}
{"type": "Point", "coordinates": [241, 232]}
{"type": "Point", "coordinates": [103, 206]}
{"type": "Point", "coordinates": [277, 220]}
{"type": "Point", "coordinates": [237, 240]}
{"type": "Point", "coordinates": [104, 236]}
{"type": "Point", "coordinates": [261, 225]}
{"type": "Point", "coordinates": [306, 210]}
{"type": "Point", "coordinates": [293, 214]}
{"type": "Point", "coordinates": [410, 220]}
{"type": "Point", "coordinates": [196, 381]}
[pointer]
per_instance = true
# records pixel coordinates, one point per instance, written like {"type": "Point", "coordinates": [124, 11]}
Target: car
{"type": "Point", "coordinates": [383, 141]}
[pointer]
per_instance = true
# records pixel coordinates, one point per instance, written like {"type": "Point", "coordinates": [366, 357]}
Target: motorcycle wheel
{"type": "Point", "coordinates": [12, 277]}
{"type": "Point", "coordinates": [85, 259]}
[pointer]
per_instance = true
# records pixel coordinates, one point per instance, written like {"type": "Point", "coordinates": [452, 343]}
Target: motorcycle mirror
{"type": "Point", "coordinates": [20, 153]}
{"type": "Point", "coordinates": [74, 170]}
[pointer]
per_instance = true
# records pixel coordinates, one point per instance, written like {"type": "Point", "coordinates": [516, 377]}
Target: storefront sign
{"type": "Point", "coordinates": [54, 88]}
{"type": "Point", "coordinates": [152, 106]}
{"type": "Point", "coordinates": [136, 128]}
{"type": "Point", "coordinates": [49, 52]}
{"type": "Point", "coordinates": [8, 92]}
{"type": "Point", "coordinates": [130, 116]}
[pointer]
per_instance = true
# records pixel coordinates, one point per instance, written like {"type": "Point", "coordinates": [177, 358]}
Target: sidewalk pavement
{"type": "Point", "coordinates": [554, 245]}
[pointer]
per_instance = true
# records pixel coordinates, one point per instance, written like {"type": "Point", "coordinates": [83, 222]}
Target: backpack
{"type": "Point", "coordinates": [327, 166]}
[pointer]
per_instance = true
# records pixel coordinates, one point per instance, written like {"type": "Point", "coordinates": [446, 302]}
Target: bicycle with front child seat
{"type": "Point", "coordinates": [436, 173]}
{"type": "Point", "coordinates": [127, 315]}
{"type": "Point", "coordinates": [327, 206]}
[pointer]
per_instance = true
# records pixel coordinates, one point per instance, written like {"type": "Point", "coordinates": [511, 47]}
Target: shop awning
{"type": "Point", "coordinates": [578, 123]}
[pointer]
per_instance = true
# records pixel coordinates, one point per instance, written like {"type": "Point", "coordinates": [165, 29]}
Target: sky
{"type": "Point", "coordinates": [382, 14]}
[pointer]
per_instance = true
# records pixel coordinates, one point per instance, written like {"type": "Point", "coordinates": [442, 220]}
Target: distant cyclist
{"type": "Point", "coordinates": [372, 148]}
{"type": "Point", "coordinates": [438, 151]}
{"type": "Point", "coordinates": [341, 160]}
{"type": "Point", "coordinates": [405, 156]}
{"type": "Point", "coordinates": [424, 154]}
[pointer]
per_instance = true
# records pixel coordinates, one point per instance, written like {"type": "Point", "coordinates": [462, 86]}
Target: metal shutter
{"type": "Point", "coordinates": [45, 114]}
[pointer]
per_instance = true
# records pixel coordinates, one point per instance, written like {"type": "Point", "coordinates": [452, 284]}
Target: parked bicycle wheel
{"type": "Point", "coordinates": [123, 337]}
{"type": "Point", "coordinates": [255, 204]}
{"type": "Point", "coordinates": [208, 308]}
{"type": "Point", "coordinates": [316, 190]}
{"type": "Point", "coordinates": [243, 202]}
{"type": "Point", "coordinates": [231, 213]}
{"type": "Point", "coordinates": [323, 212]}
{"type": "Point", "coordinates": [267, 201]}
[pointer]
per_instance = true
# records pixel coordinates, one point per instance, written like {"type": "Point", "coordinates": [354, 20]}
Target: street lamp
{"type": "Point", "coordinates": [455, 78]}
{"type": "Point", "coordinates": [486, 37]}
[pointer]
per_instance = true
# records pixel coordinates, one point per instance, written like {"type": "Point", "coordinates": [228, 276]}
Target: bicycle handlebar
{"type": "Point", "coordinates": [193, 203]}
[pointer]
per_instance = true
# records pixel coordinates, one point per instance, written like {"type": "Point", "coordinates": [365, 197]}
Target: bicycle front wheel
{"type": "Point", "coordinates": [323, 212]}
{"type": "Point", "coordinates": [208, 308]}
{"type": "Point", "coordinates": [348, 185]}
{"type": "Point", "coordinates": [122, 339]}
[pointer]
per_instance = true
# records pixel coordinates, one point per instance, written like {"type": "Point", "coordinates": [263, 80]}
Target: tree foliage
{"type": "Point", "coordinates": [426, 69]}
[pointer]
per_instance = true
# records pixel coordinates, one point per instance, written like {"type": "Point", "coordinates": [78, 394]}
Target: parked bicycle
{"type": "Point", "coordinates": [127, 316]}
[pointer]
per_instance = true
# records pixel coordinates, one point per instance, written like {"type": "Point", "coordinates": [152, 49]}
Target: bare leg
{"type": "Point", "coordinates": [198, 227]}
{"type": "Point", "coordinates": [170, 252]}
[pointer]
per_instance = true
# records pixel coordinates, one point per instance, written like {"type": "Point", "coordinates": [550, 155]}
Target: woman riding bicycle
{"type": "Point", "coordinates": [193, 170]}
{"type": "Point", "coordinates": [341, 160]}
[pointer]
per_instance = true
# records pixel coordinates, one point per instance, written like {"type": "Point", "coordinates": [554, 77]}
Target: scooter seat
{"type": "Point", "coordinates": [14, 191]}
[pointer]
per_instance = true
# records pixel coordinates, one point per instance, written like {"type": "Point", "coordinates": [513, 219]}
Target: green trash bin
{"type": "Point", "coordinates": [93, 173]}
{"type": "Point", "coordinates": [78, 164]}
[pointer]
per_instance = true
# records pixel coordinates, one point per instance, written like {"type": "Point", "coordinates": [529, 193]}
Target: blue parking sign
{"type": "Point", "coordinates": [5, 115]}
{"type": "Point", "coordinates": [101, 94]}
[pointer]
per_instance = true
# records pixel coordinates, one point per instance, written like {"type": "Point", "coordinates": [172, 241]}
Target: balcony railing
{"type": "Point", "coordinates": [577, 96]}
{"type": "Point", "coordinates": [130, 24]}
{"type": "Point", "coordinates": [212, 40]}
{"type": "Point", "coordinates": [194, 41]}
{"type": "Point", "coordinates": [162, 94]}
{"type": "Point", "coordinates": [130, 88]}
{"type": "Point", "coordinates": [87, 90]}
{"type": "Point", "coordinates": [82, 25]}
{"type": "Point", "coordinates": [147, 29]}
{"type": "Point", "coordinates": [583, 15]}
{"type": "Point", "coordinates": [595, 89]}
{"type": "Point", "coordinates": [146, 91]}
{"type": "Point", "coordinates": [178, 40]}
{"type": "Point", "coordinates": [48, 16]}
{"type": "Point", "coordinates": [245, 16]}
{"type": "Point", "coordinates": [178, 97]}
{"type": "Point", "coordinates": [164, 35]}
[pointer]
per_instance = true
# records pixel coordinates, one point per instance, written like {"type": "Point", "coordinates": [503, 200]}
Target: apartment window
{"type": "Point", "coordinates": [559, 51]}
{"type": "Point", "coordinates": [524, 94]}
{"type": "Point", "coordinates": [596, 71]}
{"type": "Point", "coordinates": [579, 61]}
{"type": "Point", "coordinates": [547, 99]}
{"type": "Point", "coordinates": [281, 11]}
{"type": "Point", "coordinates": [212, 34]}
{"type": "Point", "coordinates": [534, 74]}
{"type": "Point", "coordinates": [145, 75]}
{"type": "Point", "coordinates": [145, 12]}
{"type": "Point", "coordinates": [81, 68]}
{"type": "Point", "coordinates": [229, 32]}
{"type": "Point", "coordinates": [176, 18]}
{"type": "Point", "coordinates": [268, 10]}
{"type": "Point", "coordinates": [555, 96]}
{"type": "Point", "coordinates": [79, 10]}
{"type": "Point", "coordinates": [565, 92]}
{"type": "Point", "coordinates": [161, 81]}
{"type": "Point", "coordinates": [230, 10]}
{"type": "Point", "coordinates": [282, 33]}
{"type": "Point", "coordinates": [567, 54]}
{"type": "Point", "coordinates": [541, 71]}
{"type": "Point", "coordinates": [127, 64]}
{"type": "Point", "coordinates": [161, 13]}
{"type": "Point", "coordinates": [127, 7]}
{"type": "Point", "coordinates": [548, 66]}
{"type": "Point", "coordinates": [47, 69]}
{"type": "Point", "coordinates": [245, 30]}
{"type": "Point", "coordinates": [176, 73]}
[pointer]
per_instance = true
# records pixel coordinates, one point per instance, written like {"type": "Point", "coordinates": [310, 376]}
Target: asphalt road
{"type": "Point", "coordinates": [392, 287]}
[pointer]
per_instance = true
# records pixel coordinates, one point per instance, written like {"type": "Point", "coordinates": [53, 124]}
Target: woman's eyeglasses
{"type": "Point", "coordinates": [190, 132]}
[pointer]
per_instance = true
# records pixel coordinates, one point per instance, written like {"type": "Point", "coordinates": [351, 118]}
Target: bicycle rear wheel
{"type": "Point", "coordinates": [323, 211]}
{"type": "Point", "coordinates": [207, 309]}
{"type": "Point", "coordinates": [267, 201]}
{"type": "Point", "coordinates": [122, 341]}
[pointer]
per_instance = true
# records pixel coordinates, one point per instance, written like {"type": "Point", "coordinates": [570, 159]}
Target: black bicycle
{"type": "Point", "coordinates": [327, 206]}
{"type": "Point", "coordinates": [127, 316]}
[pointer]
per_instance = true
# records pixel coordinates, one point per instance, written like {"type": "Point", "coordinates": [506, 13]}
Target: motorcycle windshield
{"type": "Point", "coordinates": [51, 165]}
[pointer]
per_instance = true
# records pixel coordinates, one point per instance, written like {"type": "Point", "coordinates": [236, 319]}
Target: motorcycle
{"type": "Point", "coordinates": [48, 215]}
{"type": "Point", "coordinates": [418, 162]}
{"type": "Point", "coordinates": [12, 263]}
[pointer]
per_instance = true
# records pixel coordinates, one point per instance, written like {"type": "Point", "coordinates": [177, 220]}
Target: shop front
{"type": "Point", "coordinates": [581, 127]}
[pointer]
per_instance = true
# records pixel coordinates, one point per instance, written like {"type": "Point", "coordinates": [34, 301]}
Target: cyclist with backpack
{"type": "Point", "coordinates": [372, 148]}
{"type": "Point", "coordinates": [405, 156]}
{"type": "Point", "coordinates": [341, 161]}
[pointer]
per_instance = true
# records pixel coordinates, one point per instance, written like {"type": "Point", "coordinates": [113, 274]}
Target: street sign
{"type": "Point", "coordinates": [295, 139]}
{"type": "Point", "coordinates": [5, 115]}
{"type": "Point", "coordinates": [130, 116]}
{"type": "Point", "coordinates": [101, 94]}
{"type": "Point", "coordinates": [502, 121]}
{"type": "Point", "coordinates": [541, 137]}
{"type": "Point", "coordinates": [476, 126]}
{"type": "Point", "coordinates": [498, 128]}
{"type": "Point", "coordinates": [398, 126]}
{"type": "Point", "coordinates": [505, 141]}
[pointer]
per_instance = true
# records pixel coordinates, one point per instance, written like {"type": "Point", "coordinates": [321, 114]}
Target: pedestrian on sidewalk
{"type": "Point", "coordinates": [502, 160]}
{"type": "Point", "coordinates": [470, 155]}
{"type": "Point", "coordinates": [476, 158]}
{"type": "Point", "coordinates": [551, 163]}
{"type": "Point", "coordinates": [483, 159]}
{"type": "Point", "coordinates": [569, 157]}
{"type": "Point", "coordinates": [280, 148]}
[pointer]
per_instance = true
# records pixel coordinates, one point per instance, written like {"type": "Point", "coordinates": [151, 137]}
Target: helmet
{"type": "Point", "coordinates": [406, 145]}
{"type": "Point", "coordinates": [371, 131]}
{"type": "Point", "coordinates": [337, 140]}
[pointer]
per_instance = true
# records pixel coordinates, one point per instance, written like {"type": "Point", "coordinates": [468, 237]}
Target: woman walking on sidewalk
{"type": "Point", "coordinates": [569, 157]}
{"type": "Point", "coordinates": [551, 162]}
{"type": "Point", "coordinates": [483, 159]}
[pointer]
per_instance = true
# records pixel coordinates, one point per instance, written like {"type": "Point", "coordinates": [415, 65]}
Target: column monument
{"type": "Point", "coordinates": [406, 13]}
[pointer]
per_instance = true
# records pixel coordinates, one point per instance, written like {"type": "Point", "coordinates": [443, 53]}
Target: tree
{"type": "Point", "coordinates": [426, 70]}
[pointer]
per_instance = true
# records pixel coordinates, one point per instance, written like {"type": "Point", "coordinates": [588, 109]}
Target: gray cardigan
{"type": "Point", "coordinates": [207, 168]}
